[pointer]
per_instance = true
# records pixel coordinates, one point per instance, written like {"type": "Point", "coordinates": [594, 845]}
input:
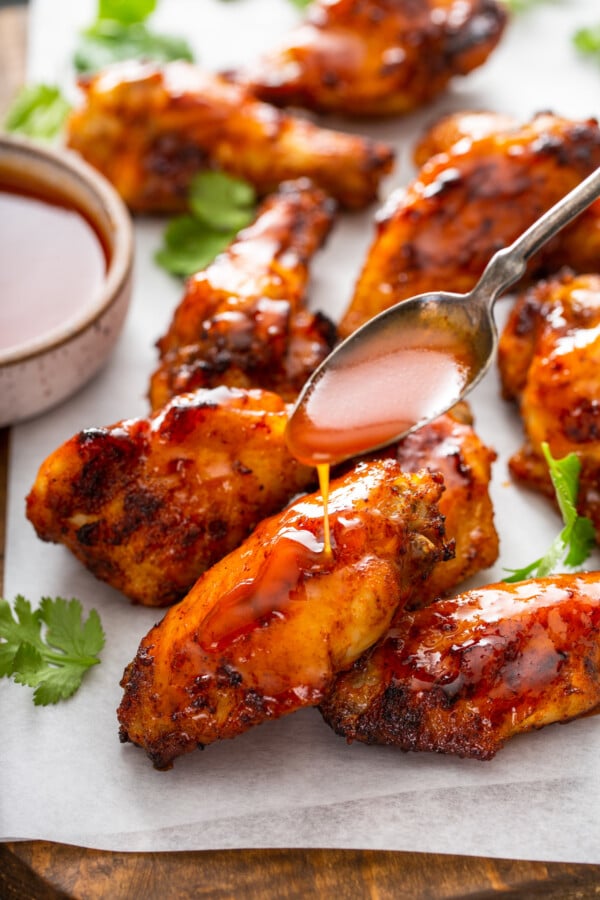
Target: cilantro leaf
{"type": "Point", "coordinates": [519, 6]}
{"type": "Point", "coordinates": [587, 40]}
{"type": "Point", "coordinates": [223, 202]}
{"type": "Point", "coordinates": [190, 245]}
{"type": "Point", "coordinates": [53, 663]}
{"type": "Point", "coordinates": [108, 41]}
{"type": "Point", "coordinates": [220, 205]}
{"type": "Point", "coordinates": [573, 545]}
{"type": "Point", "coordinates": [38, 111]}
{"type": "Point", "coordinates": [126, 11]}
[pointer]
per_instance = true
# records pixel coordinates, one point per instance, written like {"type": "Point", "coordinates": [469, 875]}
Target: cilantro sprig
{"type": "Point", "coordinates": [587, 41]}
{"type": "Point", "coordinates": [220, 205]}
{"type": "Point", "coordinates": [50, 648]}
{"type": "Point", "coordinates": [111, 40]}
{"type": "Point", "coordinates": [573, 545]}
{"type": "Point", "coordinates": [38, 111]}
{"type": "Point", "coordinates": [120, 32]}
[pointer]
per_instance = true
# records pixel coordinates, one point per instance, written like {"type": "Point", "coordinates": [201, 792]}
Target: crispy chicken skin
{"type": "Point", "coordinates": [242, 320]}
{"type": "Point", "coordinates": [466, 674]}
{"type": "Point", "coordinates": [265, 631]}
{"type": "Point", "coordinates": [375, 57]}
{"type": "Point", "coordinates": [149, 129]}
{"type": "Point", "coordinates": [450, 446]}
{"type": "Point", "coordinates": [466, 203]}
{"type": "Point", "coordinates": [149, 504]}
{"type": "Point", "coordinates": [549, 357]}
{"type": "Point", "coordinates": [467, 125]}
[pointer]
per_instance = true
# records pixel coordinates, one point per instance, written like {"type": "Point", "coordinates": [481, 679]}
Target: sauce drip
{"type": "Point", "coordinates": [323, 472]}
{"type": "Point", "coordinates": [52, 265]}
{"type": "Point", "coordinates": [376, 392]}
{"type": "Point", "coordinates": [290, 558]}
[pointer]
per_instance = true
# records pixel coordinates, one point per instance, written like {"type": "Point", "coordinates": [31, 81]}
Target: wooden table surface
{"type": "Point", "coordinates": [40, 870]}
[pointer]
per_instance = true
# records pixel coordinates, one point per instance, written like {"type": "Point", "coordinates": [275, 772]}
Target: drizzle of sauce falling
{"type": "Point", "coordinates": [323, 472]}
{"type": "Point", "coordinates": [290, 558]}
{"type": "Point", "coordinates": [376, 392]}
{"type": "Point", "coordinates": [52, 264]}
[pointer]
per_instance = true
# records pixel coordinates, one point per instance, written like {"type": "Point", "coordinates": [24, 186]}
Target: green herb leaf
{"type": "Point", "coordinates": [220, 206]}
{"type": "Point", "coordinates": [126, 11]}
{"type": "Point", "coordinates": [222, 202]}
{"type": "Point", "coordinates": [109, 41]}
{"type": "Point", "coordinates": [587, 40]}
{"type": "Point", "coordinates": [38, 111]}
{"type": "Point", "coordinates": [53, 663]}
{"type": "Point", "coordinates": [519, 6]}
{"type": "Point", "coordinates": [573, 545]}
{"type": "Point", "coordinates": [190, 245]}
{"type": "Point", "coordinates": [301, 4]}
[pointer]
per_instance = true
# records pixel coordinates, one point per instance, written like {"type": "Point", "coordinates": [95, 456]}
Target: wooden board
{"type": "Point", "coordinates": [41, 870]}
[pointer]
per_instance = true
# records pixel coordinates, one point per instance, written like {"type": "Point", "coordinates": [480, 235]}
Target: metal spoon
{"type": "Point", "coordinates": [415, 360]}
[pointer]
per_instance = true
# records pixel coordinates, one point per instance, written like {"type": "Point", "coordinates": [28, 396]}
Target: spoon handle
{"type": "Point", "coordinates": [509, 264]}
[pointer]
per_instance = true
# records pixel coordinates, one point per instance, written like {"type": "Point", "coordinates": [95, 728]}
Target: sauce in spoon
{"type": "Point", "coordinates": [376, 391]}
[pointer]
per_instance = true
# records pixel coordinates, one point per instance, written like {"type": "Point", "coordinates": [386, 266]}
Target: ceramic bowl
{"type": "Point", "coordinates": [40, 372]}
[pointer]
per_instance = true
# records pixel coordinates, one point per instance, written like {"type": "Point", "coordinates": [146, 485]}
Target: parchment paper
{"type": "Point", "coordinates": [63, 774]}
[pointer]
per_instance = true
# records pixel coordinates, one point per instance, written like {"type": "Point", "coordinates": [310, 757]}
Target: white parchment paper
{"type": "Point", "coordinates": [293, 783]}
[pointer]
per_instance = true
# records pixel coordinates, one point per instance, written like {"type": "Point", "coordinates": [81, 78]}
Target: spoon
{"type": "Point", "coordinates": [415, 360]}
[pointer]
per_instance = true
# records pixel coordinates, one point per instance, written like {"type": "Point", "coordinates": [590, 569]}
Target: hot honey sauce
{"type": "Point", "coordinates": [371, 395]}
{"type": "Point", "coordinates": [291, 557]}
{"type": "Point", "coordinates": [52, 265]}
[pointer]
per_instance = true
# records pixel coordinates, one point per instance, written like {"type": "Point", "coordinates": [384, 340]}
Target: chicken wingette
{"type": "Point", "coordinates": [266, 630]}
{"type": "Point", "coordinates": [470, 201]}
{"type": "Point", "coordinates": [149, 129]}
{"type": "Point", "coordinates": [549, 357]}
{"type": "Point", "coordinates": [149, 504]}
{"type": "Point", "coordinates": [465, 674]}
{"type": "Point", "coordinates": [375, 57]}
{"type": "Point", "coordinates": [242, 320]}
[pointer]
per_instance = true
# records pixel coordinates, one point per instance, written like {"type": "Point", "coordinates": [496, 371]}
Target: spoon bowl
{"type": "Point", "coordinates": [417, 359]}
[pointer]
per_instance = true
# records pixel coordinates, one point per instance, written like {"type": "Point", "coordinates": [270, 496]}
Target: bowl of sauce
{"type": "Point", "coordinates": [66, 256]}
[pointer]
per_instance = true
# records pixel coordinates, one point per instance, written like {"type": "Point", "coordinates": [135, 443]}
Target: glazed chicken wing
{"type": "Point", "coordinates": [472, 200]}
{"type": "Point", "coordinates": [466, 674]}
{"type": "Point", "coordinates": [549, 357]}
{"type": "Point", "coordinates": [375, 57]}
{"type": "Point", "coordinates": [450, 446]}
{"type": "Point", "coordinates": [149, 129]}
{"type": "Point", "coordinates": [149, 504]}
{"type": "Point", "coordinates": [265, 631]}
{"type": "Point", "coordinates": [242, 321]}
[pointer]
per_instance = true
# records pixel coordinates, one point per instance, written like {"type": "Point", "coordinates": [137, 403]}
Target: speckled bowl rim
{"type": "Point", "coordinates": [118, 236]}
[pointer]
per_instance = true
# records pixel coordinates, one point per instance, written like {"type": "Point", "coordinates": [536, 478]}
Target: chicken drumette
{"type": "Point", "coordinates": [473, 199]}
{"type": "Point", "coordinates": [375, 57]}
{"type": "Point", "coordinates": [149, 129]}
{"type": "Point", "coordinates": [149, 504]}
{"type": "Point", "coordinates": [549, 356]}
{"type": "Point", "coordinates": [450, 446]}
{"type": "Point", "coordinates": [242, 321]}
{"type": "Point", "coordinates": [464, 675]}
{"type": "Point", "coordinates": [266, 630]}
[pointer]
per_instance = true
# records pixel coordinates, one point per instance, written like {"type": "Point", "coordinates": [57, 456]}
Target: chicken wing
{"type": "Point", "coordinates": [549, 357]}
{"type": "Point", "coordinates": [242, 321]}
{"type": "Point", "coordinates": [149, 129]}
{"type": "Point", "coordinates": [378, 57]}
{"type": "Point", "coordinates": [468, 202]}
{"type": "Point", "coordinates": [149, 504]}
{"type": "Point", "coordinates": [466, 674]}
{"type": "Point", "coordinates": [265, 631]}
{"type": "Point", "coordinates": [450, 446]}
